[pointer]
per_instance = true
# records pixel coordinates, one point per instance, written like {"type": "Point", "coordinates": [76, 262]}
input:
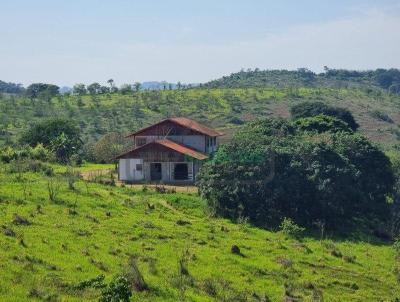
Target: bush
{"type": "Point", "coordinates": [310, 109]}
{"type": "Point", "coordinates": [134, 276]}
{"type": "Point", "coordinates": [289, 228]}
{"type": "Point", "coordinates": [396, 246]}
{"type": "Point", "coordinates": [59, 135]}
{"type": "Point", "coordinates": [322, 123]}
{"type": "Point", "coordinates": [118, 290]}
{"type": "Point", "coordinates": [382, 116]}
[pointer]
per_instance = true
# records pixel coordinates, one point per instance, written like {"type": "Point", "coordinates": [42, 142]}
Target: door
{"type": "Point", "coordinates": [155, 171]}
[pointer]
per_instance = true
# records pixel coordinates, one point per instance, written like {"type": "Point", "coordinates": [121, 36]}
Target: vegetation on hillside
{"type": "Point", "coordinates": [98, 115]}
{"type": "Point", "coordinates": [385, 79]}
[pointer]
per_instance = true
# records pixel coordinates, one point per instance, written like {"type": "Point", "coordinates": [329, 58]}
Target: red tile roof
{"type": "Point", "coordinates": [173, 146]}
{"type": "Point", "coordinates": [187, 123]}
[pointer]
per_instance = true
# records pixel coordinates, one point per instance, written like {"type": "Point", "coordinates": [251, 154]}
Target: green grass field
{"type": "Point", "coordinates": [93, 229]}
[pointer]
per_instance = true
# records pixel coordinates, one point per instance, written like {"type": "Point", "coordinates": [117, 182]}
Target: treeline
{"type": "Point", "coordinates": [45, 90]}
{"type": "Point", "coordinates": [10, 87]}
{"type": "Point", "coordinates": [388, 79]}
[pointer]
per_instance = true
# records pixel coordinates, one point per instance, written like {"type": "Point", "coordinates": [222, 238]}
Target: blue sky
{"type": "Point", "coordinates": [65, 42]}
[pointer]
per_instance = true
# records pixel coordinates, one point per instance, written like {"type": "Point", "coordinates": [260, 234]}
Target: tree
{"type": "Point", "coordinates": [272, 169]}
{"type": "Point", "coordinates": [41, 90]}
{"type": "Point", "coordinates": [111, 83]}
{"type": "Point", "coordinates": [59, 135]}
{"type": "Point", "coordinates": [310, 109]}
{"type": "Point", "coordinates": [94, 88]}
{"type": "Point", "coordinates": [137, 86]}
{"type": "Point", "coordinates": [113, 88]}
{"type": "Point", "coordinates": [108, 147]}
{"type": "Point", "coordinates": [79, 89]}
{"type": "Point", "coordinates": [125, 89]}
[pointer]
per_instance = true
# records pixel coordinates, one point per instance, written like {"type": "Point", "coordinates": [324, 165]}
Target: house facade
{"type": "Point", "coordinates": [171, 151]}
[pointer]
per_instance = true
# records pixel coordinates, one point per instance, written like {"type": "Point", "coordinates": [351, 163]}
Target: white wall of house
{"type": "Point", "coordinates": [129, 169]}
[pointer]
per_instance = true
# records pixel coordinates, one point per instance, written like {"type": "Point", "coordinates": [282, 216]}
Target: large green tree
{"type": "Point", "coordinates": [41, 90]}
{"type": "Point", "coordinates": [274, 169]}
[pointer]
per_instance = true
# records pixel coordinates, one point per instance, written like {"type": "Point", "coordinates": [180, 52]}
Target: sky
{"type": "Point", "coordinates": [68, 42]}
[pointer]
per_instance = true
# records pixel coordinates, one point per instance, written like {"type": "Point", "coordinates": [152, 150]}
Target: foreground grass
{"type": "Point", "coordinates": [93, 229]}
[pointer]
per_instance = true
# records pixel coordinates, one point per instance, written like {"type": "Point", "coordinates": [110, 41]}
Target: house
{"type": "Point", "coordinates": [171, 151]}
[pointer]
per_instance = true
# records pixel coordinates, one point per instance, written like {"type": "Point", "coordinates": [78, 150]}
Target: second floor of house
{"type": "Point", "coordinates": [182, 131]}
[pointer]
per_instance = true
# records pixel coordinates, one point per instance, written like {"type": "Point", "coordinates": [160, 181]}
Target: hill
{"type": "Point", "coordinates": [383, 79]}
{"type": "Point", "coordinates": [59, 250]}
{"type": "Point", "coordinates": [376, 111]}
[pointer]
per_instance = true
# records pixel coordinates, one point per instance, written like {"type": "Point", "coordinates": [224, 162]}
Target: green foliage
{"type": "Point", "coordinates": [322, 123]}
{"type": "Point", "coordinates": [108, 147]}
{"type": "Point", "coordinates": [382, 116]}
{"type": "Point", "coordinates": [377, 79]}
{"type": "Point", "coordinates": [117, 291]}
{"type": "Point", "coordinates": [272, 170]}
{"type": "Point", "coordinates": [291, 229]}
{"type": "Point", "coordinates": [42, 91]}
{"type": "Point", "coordinates": [99, 114]}
{"type": "Point", "coordinates": [59, 135]}
{"type": "Point", "coordinates": [311, 109]}
{"type": "Point", "coordinates": [8, 154]}
{"type": "Point", "coordinates": [10, 87]}
{"type": "Point", "coordinates": [396, 246]}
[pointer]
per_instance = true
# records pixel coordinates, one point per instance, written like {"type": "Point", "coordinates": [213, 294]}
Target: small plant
{"type": "Point", "coordinates": [235, 250]}
{"type": "Point", "coordinates": [20, 220]}
{"type": "Point", "coordinates": [349, 258]}
{"type": "Point", "coordinates": [71, 176]}
{"type": "Point", "coordinates": [290, 228]}
{"type": "Point", "coordinates": [96, 282]}
{"type": "Point", "coordinates": [210, 287]}
{"type": "Point", "coordinates": [396, 246]}
{"type": "Point", "coordinates": [53, 188]}
{"type": "Point", "coordinates": [118, 290]}
{"type": "Point", "coordinates": [134, 276]}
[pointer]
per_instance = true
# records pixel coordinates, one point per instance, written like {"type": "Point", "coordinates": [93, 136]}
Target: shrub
{"type": "Point", "coordinates": [134, 276]}
{"type": "Point", "coordinates": [396, 246]}
{"type": "Point", "coordinates": [310, 109]}
{"type": "Point", "coordinates": [118, 290]}
{"type": "Point", "coordinates": [382, 116]}
{"type": "Point", "coordinates": [322, 123]}
{"type": "Point", "coordinates": [289, 228]}
{"type": "Point", "coordinates": [59, 135]}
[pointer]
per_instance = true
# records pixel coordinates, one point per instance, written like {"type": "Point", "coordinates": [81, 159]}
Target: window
{"type": "Point", "coordinates": [139, 167]}
{"type": "Point", "coordinates": [140, 141]}
{"type": "Point", "coordinates": [181, 171]}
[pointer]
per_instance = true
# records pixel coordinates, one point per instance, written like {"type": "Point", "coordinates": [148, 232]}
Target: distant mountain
{"type": "Point", "coordinates": [65, 89]}
{"type": "Point", "coordinates": [155, 85]}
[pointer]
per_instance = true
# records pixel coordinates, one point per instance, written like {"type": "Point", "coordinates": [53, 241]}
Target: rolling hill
{"type": "Point", "coordinates": [377, 112]}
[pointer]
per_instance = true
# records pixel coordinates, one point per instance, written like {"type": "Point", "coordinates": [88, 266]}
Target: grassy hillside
{"type": "Point", "coordinates": [47, 248]}
{"type": "Point", "coordinates": [380, 79]}
{"type": "Point", "coordinates": [377, 112]}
